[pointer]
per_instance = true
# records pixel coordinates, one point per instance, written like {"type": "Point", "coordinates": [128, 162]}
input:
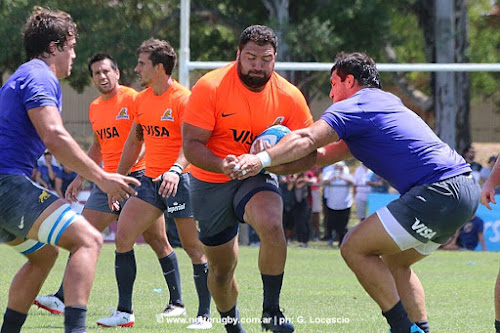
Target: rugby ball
{"type": "Point", "coordinates": [271, 136]}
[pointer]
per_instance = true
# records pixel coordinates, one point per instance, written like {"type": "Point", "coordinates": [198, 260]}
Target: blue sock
{"type": "Point", "coordinates": [497, 326]}
{"type": "Point", "coordinates": [200, 274]}
{"type": "Point", "coordinates": [424, 325]}
{"type": "Point", "coordinates": [272, 289]}
{"type": "Point", "coordinates": [397, 317]}
{"type": "Point", "coordinates": [13, 321]}
{"type": "Point", "coordinates": [74, 319]}
{"type": "Point", "coordinates": [231, 320]}
{"type": "Point", "coordinates": [125, 272]}
{"type": "Point", "coordinates": [172, 277]}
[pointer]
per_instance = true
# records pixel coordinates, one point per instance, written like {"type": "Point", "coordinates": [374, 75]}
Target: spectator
{"type": "Point", "coordinates": [485, 172]}
{"type": "Point", "coordinates": [468, 236]}
{"type": "Point", "coordinates": [361, 190]}
{"type": "Point", "coordinates": [297, 213]}
{"type": "Point", "coordinates": [337, 183]}
{"type": "Point", "coordinates": [316, 204]}
{"type": "Point", "coordinates": [64, 177]}
{"type": "Point", "coordinates": [46, 170]}
{"type": "Point", "coordinates": [469, 154]}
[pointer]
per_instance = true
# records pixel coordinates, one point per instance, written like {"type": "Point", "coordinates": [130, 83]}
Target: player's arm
{"type": "Point", "coordinates": [488, 190]}
{"type": "Point", "coordinates": [194, 142]}
{"type": "Point", "coordinates": [294, 146]}
{"type": "Point", "coordinates": [132, 149]}
{"type": "Point", "coordinates": [48, 124]}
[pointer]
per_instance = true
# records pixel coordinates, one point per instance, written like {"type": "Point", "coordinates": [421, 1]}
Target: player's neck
{"type": "Point", "coordinates": [159, 87]}
{"type": "Point", "coordinates": [110, 94]}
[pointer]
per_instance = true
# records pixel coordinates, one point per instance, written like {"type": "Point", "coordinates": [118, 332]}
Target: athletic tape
{"type": "Point", "coordinates": [28, 246]}
{"type": "Point", "coordinates": [54, 225]}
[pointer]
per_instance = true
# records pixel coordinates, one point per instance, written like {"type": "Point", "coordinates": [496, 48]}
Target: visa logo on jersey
{"type": "Point", "coordinates": [155, 130]}
{"type": "Point", "coordinates": [107, 133]}
{"type": "Point", "coordinates": [242, 136]}
{"type": "Point", "coordinates": [422, 229]}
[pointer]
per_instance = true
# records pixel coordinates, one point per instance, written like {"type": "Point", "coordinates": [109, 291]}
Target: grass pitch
{"type": "Point", "coordinates": [320, 293]}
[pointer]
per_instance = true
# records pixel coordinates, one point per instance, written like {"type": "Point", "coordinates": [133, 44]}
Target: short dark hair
{"type": "Point", "coordinates": [160, 52]}
{"type": "Point", "coordinates": [260, 35]}
{"type": "Point", "coordinates": [45, 26]}
{"type": "Point", "coordinates": [99, 57]}
{"type": "Point", "coordinates": [359, 65]}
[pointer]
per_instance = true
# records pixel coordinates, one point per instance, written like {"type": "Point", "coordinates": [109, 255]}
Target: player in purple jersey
{"type": "Point", "coordinates": [438, 192]}
{"type": "Point", "coordinates": [487, 197]}
{"type": "Point", "coordinates": [32, 219]}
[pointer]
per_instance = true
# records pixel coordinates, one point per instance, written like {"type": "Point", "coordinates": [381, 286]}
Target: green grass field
{"type": "Point", "coordinates": [318, 288]}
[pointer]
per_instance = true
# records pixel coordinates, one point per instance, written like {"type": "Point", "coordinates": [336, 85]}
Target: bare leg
{"type": "Point", "coordinates": [188, 235]}
{"type": "Point", "coordinates": [29, 279]}
{"type": "Point", "coordinates": [264, 213]}
{"type": "Point", "coordinates": [222, 260]}
{"type": "Point", "coordinates": [361, 250]}
{"type": "Point", "coordinates": [84, 242]}
{"type": "Point", "coordinates": [409, 287]}
{"type": "Point", "coordinates": [497, 298]}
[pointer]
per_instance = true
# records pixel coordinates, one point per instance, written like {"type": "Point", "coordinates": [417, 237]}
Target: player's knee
{"type": "Point", "coordinates": [222, 273]}
{"type": "Point", "coordinates": [194, 252]}
{"type": "Point", "coordinates": [346, 250]}
{"type": "Point", "coordinates": [271, 230]}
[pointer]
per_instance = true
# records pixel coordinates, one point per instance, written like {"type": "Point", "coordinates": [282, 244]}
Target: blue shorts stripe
{"type": "Point", "coordinates": [54, 226]}
{"type": "Point", "coordinates": [34, 248]}
{"type": "Point", "coordinates": [64, 228]}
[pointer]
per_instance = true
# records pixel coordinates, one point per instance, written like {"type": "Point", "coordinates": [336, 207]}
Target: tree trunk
{"type": "Point", "coordinates": [462, 79]}
{"type": "Point", "coordinates": [451, 91]}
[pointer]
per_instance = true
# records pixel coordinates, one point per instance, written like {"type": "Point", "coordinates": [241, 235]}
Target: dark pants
{"type": "Point", "coordinates": [298, 218]}
{"type": "Point", "coordinates": [337, 221]}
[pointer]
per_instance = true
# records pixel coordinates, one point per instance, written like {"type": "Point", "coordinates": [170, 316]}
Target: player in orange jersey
{"type": "Point", "coordinates": [227, 109]}
{"type": "Point", "coordinates": [111, 119]}
{"type": "Point", "coordinates": [158, 116]}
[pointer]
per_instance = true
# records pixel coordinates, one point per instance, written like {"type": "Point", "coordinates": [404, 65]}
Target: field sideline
{"type": "Point", "coordinates": [318, 290]}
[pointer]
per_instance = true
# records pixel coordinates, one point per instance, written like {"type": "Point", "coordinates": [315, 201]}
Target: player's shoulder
{"type": "Point", "coordinates": [37, 71]}
{"type": "Point", "coordinates": [127, 91]}
{"type": "Point", "coordinates": [214, 78]}
{"type": "Point", "coordinates": [284, 86]}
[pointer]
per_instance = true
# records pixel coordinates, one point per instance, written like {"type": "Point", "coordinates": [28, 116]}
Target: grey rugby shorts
{"type": "Point", "coordinates": [431, 213]}
{"type": "Point", "coordinates": [219, 207]}
{"type": "Point", "coordinates": [174, 206]}
{"type": "Point", "coordinates": [98, 199]}
{"type": "Point", "coordinates": [21, 203]}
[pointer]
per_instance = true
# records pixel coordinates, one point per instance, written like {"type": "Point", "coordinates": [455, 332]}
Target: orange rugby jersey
{"type": "Point", "coordinates": [160, 118]}
{"type": "Point", "coordinates": [222, 104]}
{"type": "Point", "coordinates": [111, 121]}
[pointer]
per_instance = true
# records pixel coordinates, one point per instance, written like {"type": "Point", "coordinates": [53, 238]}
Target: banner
{"type": "Point", "coordinates": [491, 218]}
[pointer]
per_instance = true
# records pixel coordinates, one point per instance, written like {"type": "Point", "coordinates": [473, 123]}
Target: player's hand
{"type": "Point", "coordinates": [169, 184]}
{"type": "Point", "coordinates": [488, 195]}
{"type": "Point", "coordinates": [248, 165]}
{"type": "Point", "coordinates": [113, 204]}
{"type": "Point", "coordinates": [228, 164]}
{"type": "Point", "coordinates": [73, 189]}
{"type": "Point", "coordinates": [118, 186]}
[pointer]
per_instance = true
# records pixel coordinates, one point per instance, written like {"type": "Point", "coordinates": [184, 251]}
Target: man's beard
{"type": "Point", "coordinates": [253, 81]}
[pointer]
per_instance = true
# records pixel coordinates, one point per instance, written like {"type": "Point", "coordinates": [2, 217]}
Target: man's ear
{"type": "Point", "coordinates": [351, 81]}
{"type": "Point", "coordinates": [52, 47]}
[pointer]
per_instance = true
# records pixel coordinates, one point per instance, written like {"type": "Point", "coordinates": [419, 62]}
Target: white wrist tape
{"type": "Point", "coordinates": [264, 158]}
